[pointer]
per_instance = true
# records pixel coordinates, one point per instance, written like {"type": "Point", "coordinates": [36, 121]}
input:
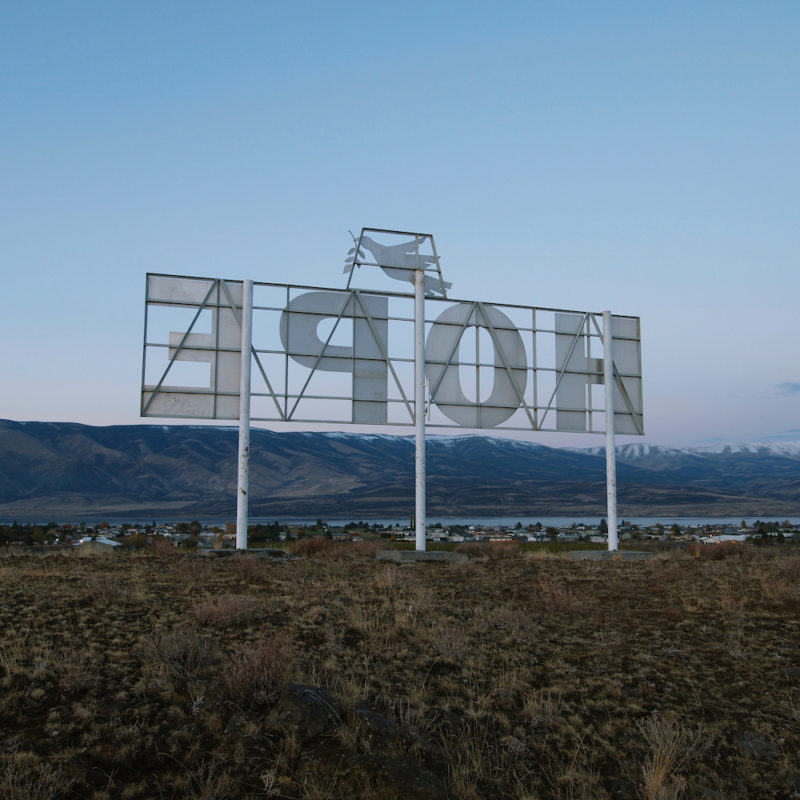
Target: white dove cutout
{"type": "Point", "coordinates": [399, 261]}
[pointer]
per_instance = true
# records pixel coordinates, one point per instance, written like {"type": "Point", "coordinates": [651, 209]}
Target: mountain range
{"type": "Point", "coordinates": [66, 470]}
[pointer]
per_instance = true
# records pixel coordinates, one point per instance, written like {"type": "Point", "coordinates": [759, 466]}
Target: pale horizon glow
{"type": "Point", "coordinates": [641, 159]}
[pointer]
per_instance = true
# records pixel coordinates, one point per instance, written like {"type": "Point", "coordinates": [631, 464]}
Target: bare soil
{"type": "Point", "coordinates": [514, 675]}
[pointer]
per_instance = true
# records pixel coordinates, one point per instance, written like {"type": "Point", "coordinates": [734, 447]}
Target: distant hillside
{"type": "Point", "coordinates": [62, 470]}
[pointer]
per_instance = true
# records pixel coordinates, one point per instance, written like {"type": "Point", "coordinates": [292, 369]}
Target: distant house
{"type": "Point", "coordinates": [725, 537]}
{"type": "Point", "coordinates": [89, 545]}
{"type": "Point", "coordinates": [541, 536]}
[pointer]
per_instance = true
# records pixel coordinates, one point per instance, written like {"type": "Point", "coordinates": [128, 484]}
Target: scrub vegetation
{"type": "Point", "coordinates": [515, 674]}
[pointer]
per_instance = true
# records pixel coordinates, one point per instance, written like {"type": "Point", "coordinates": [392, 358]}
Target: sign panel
{"type": "Point", "coordinates": [346, 356]}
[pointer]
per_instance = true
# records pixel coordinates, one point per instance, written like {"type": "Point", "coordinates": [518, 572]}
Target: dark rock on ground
{"type": "Point", "coordinates": [756, 746]}
{"type": "Point", "coordinates": [308, 712]}
{"type": "Point", "coordinates": [379, 733]}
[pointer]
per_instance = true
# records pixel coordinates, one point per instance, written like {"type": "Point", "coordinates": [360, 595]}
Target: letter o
{"type": "Point", "coordinates": [441, 366]}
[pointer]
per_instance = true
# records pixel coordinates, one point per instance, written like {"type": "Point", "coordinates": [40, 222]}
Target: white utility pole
{"type": "Point", "coordinates": [243, 483]}
{"type": "Point", "coordinates": [611, 455]}
{"type": "Point", "coordinates": [419, 405]}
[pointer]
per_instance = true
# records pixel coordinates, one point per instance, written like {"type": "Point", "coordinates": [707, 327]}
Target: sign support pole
{"type": "Point", "coordinates": [243, 480]}
{"type": "Point", "coordinates": [611, 455]}
{"type": "Point", "coordinates": [419, 406]}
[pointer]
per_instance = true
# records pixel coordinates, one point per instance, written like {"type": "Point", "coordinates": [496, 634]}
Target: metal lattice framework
{"type": "Point", "coordinates": [346, 356]}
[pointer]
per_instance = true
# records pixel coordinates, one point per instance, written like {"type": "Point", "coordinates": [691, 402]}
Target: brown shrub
{"type": "Point", "coordinates": [182, 651]}
{"type": "Point", "coordinates": [671, 746]}
{"type": "Point", "coordinates": [208, 780]}
{"type": "Point", "coordinates": [366, 548]}
{"type": "Point", "coordinates": [467, 569]}
{"type": "Point", "coordinates": [790, 569]}
{"type": "Point", "coordinates": [192, 572]}
{"type": "Point", "coordinates": [226, 610]}
{"type": "Point", "coordinates": [74, 667]}
{"type": "Point", "coordinates": [718, 551]}
{"type": "Point", "coordinates": [316, 546]}
{"type": "Point", "coordinates": [255, 675]}
{"type": "Point", "coordinates": [782, 593]}
{"type": "Point", "coordinates": [553, 595]}
{"type": "Point", "coordinates": [248, 566]}
{"type": "Point", "coordinates": [450, 640]}
{"type": "Point", "coordinates": [162, 546]}
{"type": "Point", "coordinates": [104, 587]}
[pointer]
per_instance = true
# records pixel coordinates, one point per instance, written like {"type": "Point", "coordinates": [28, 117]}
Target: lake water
{"type": "Point", "coordinates": [491, 522]}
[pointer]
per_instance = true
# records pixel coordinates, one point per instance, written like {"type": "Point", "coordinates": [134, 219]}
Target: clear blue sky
{"type": "Point", "coordinates": [637, 156]}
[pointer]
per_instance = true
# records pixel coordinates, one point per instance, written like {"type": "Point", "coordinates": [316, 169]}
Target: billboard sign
{"type": "Point", "coordinates": [322, 355]}
{"type": "Point", "coordinates": [275, 352]}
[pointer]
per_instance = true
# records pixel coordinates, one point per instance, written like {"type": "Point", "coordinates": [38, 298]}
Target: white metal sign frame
{"type": "Point", "coordinates": [355, 376]}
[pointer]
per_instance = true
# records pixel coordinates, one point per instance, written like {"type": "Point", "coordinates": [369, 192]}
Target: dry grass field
{"type": "Point", "coordinates": [333, 675]}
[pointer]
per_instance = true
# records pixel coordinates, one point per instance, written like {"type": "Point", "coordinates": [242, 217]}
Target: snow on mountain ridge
{"type": "Point", "coordinates": [644, 450]}
{"type": "Point", "coordinates": [787, 448]}
{"type": "Point", "coordinates": [630, 451]}
{"type": "Point", "coordinates": [634, 451]}
{"type": "Point", "coordinates": [347, 435]}
{"type": "Point", "coordinates": [432, 439]}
